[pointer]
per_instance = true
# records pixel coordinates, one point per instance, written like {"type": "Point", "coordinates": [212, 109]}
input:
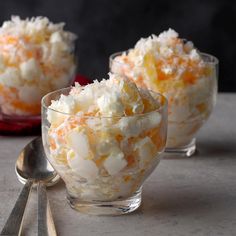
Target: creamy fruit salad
{"type": "Point", "coordinates": [36, 57]}
{"type": "Point", "coordinates": [105, 138]}
{"type": "Point", "coordinates": [174, 67]}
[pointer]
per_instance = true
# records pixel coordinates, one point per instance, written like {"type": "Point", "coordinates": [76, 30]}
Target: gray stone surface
{"type": "Point", "coordinates": [184, 196]}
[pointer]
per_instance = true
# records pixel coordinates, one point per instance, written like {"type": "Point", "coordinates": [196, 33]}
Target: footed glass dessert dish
{"type": "Point", "coordinates": [186, 77]}
{"type": "Point", "coordinates": [104, 140]}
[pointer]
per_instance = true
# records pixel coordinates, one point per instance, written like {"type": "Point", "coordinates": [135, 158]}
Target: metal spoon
{"type": "Point", "coordinates": [32, 167]}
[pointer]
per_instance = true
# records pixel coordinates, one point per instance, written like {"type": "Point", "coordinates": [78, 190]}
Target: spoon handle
{"type": "Point", "coordinates": [46, 225]}
{"type": "Point", "coordinates": [14, 222]}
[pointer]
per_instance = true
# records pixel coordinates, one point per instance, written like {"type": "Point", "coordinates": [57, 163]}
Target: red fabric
{"type": "Point", "coordinates": [17, 128]}
{"type": "Point", "coordinates": [82, 80]}
{"type": "Point", "coordinates": [30, 127]}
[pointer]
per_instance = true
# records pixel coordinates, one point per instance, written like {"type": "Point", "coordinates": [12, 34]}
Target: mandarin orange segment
{"type": "Point", "coordinates": [127, 178]}
{"type": "Point", "coordinates": [201, 107]}
{"type": "Point", "coordinates": [33, 109]}
{"type": "Point", "coordinates": [131, 97]}
{"type": "Point", "coordinates": [150, 68]}
{"type": "Point", "coordinates": [131, 160]}
{"type": "Point", "coordinates": [189, 77]}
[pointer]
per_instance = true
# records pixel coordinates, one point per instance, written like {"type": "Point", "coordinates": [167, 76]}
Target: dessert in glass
{"type": "Point", "coordinates": [104, 140]}
{"type": "Point", "coordinates": [175, 68]}
{"type": "Point", "coordinates": [36, 57]}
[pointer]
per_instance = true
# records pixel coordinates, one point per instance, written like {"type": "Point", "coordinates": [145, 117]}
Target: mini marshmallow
{"type": "Point", "coordinates": [78, 141]}
{"type": "Point", "coordinates": [84, 168]}
{"type": "Point", "coordinates": [30, 70]}
{"type": "Point", "coordinates": [115, 162]}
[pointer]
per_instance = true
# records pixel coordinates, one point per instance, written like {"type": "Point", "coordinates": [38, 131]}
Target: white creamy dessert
{"type": "Point", "coordinates": [36, 57]}
{"type": "Point", "coordinates": [175, 68]}
{"type": "Point", "coordinates": [105, 138]}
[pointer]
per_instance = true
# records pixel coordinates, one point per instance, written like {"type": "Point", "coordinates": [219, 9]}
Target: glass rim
{"type": "Point", "coordinates": [214, 60]}
{"type": "Point", "coordinates": [159, 109]}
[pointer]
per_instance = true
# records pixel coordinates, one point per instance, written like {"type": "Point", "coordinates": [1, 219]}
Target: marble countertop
{"type": "Point", "coordinates": [183, 196]}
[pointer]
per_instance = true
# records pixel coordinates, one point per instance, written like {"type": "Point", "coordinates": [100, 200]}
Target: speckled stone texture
{"type": "Point", "coordinates": [184, 196]}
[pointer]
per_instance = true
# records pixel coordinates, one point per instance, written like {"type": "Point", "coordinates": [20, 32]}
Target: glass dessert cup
{"type": "Point", "coordinates": [188, 108]}
{"type": "Point", "coordinates": [104, 184]}
{"type": "Point", "coordinates": [26, 115]}
{"type": "Point", "coordinates": [14, 110]}
{"type": "Point", "coordinates": [22, 121]}
{"type": "Point", "coordinates": [37, 57]}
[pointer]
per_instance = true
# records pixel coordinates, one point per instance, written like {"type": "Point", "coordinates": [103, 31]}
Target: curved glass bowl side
{"type": "Point", "coordinates": [198, 101]}
{"type": "Point", "coordinates": [116, 167]}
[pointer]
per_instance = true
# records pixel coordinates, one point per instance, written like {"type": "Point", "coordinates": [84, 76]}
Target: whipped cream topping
{"type": "Point", "coordinates": [172, 53]}
{"type": "Point", "coordinates": [115, 97]}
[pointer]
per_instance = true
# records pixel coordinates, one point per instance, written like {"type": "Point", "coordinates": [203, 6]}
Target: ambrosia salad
{"type": "Point", "coordinates": [175, 68]}
{"type": "Point", "coordinates": [36, 57]}
{"type": "Point", "coordinates": [105, 138]}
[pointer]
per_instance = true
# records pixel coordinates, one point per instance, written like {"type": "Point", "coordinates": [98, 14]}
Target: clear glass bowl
{"type": "Point", "coordinates": [20, 99]}
{"type": "Point", "coordinates": [188, 107]}
{"type": "Point", "coordinates": [121, 152]}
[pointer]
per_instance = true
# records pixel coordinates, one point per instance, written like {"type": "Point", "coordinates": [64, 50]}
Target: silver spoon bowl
{"type": "Point", "coordinates": [32, 164]}
{"type": "Point", "coordinates": [32, 168]}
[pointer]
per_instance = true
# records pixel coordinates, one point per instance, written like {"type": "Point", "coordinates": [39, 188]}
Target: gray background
{"type": "Point", "coordinates": [107, 26]}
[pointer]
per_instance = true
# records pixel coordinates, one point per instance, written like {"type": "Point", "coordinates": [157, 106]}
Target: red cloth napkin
{"type": "Point", "coordinates": [30, 127]}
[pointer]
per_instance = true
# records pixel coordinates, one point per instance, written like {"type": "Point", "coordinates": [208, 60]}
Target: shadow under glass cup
{"type": "Point", "coordinates": [188, 107]}
{"type": "Point", "coordinates": [95, 185]}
